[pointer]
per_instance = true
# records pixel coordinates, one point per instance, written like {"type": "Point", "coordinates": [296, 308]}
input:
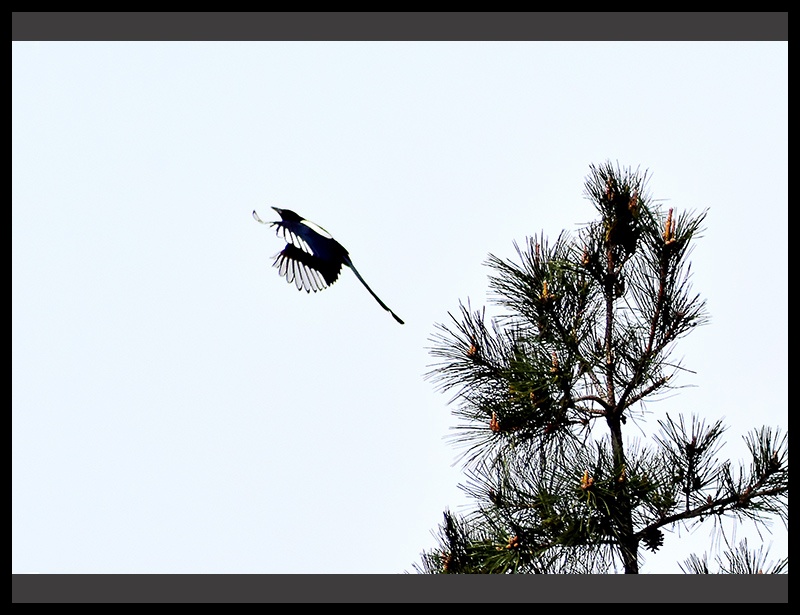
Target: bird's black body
{"type": "Point", "coordinates": [312, 259]}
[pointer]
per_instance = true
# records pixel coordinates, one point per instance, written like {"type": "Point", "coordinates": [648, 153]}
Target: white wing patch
{"type": "Point", "coordinates": [289, 237]}
{"type": "Point", "coordinates": [302, 276]}
{"type": "Point", "coordinates": [317, 228]}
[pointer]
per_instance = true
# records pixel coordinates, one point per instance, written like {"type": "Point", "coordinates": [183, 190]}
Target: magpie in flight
{"type": "Point", "coordinates": [312, 259]}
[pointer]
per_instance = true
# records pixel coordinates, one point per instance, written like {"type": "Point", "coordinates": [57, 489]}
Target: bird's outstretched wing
{"type": "Point", "coordinates": [306, 271]}
{"type": "Point", "coordinates": [285, 232]}
{"type": "Point", "coordinates": [297, 261]}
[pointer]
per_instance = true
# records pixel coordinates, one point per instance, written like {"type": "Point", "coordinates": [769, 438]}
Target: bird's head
{"type": "Point", "coordinates": [287, 215]}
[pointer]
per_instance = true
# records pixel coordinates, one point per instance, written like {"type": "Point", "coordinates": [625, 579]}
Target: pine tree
{"type": "Point", "coordinates": [547, 392]}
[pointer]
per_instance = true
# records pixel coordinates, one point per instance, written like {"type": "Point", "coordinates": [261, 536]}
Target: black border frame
{"type": "Point", "coordinates": [404, 26]}
{"type": "Point", "coordinates": [401, 588]}
{"type": "Point", "coordinates": [401, 26]}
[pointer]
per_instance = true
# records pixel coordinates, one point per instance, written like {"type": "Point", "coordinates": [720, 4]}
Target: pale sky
{"type": "Point", "coordinates": [177, 407]}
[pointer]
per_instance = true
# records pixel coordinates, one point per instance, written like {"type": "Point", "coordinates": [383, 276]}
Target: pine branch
{"type": "Point", "coordinates": [589, 328]}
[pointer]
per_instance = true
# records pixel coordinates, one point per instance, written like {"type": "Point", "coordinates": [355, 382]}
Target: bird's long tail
{"type": "Point", "coordinates": [349, 263]}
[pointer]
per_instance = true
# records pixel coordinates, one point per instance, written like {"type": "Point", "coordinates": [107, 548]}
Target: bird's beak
{"type": "Point", "coordinates": [278, 209]}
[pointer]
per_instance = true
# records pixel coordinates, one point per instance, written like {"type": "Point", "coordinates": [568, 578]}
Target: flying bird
{"type": "Point", "coordinates": [312, 259]}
